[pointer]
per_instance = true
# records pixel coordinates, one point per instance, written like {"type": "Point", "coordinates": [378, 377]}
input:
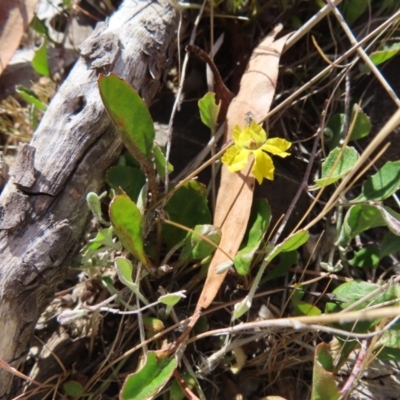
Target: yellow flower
{"type": "Point", "coordinates": [253, 140]}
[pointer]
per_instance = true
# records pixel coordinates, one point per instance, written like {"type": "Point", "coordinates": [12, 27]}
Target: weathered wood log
{"type": "Point", "coordinates": [43, 210]}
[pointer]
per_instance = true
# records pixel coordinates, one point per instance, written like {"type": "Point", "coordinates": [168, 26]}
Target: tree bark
{"type": "Point", "coordinates": [43, 209]}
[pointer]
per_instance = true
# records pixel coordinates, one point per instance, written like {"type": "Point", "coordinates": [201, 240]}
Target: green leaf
{"type": "Point", "coordinates": [39, 26]}
{"type": "Point", "coordinates": [130, 116]}
{"type": "Point", "coordinates": [392, 219]}
{"type": "Point", "coordinates": [362, 217]}
{"type": "Point", "coordinates": [127, 222]}
{"type": "Point", "coordinates": [331, 172]}
{"type": "Point", "coordinates": [353, 9]}
{"type": "Point", "coordinates": [40, 62]}
{"type": "Point", "coordinates": [73, 389]}
{"type": "Point", "coordinates": [381, 185]}
{"type": "Point", "coordinates": [176, 392]}
{"type": "Point", "coordinates": [130, 180]}
{"type": "Point", "coordinates": [125, 270]}
{"type": "Point", "coordinates": [94, 204]}
{"type": "Point", "coordinates": [286, 260]}
{"type": "Point", "coordinates": [389, 354]}
{"type": "Point", "coordinates": [160, 161]}
{"type": "Point", "coordinates": [209, 110]}
{"type": "Point", "coordinates": [30, 97]}
{"type": "Point", "coordinates": [358, 219]}
{"type": "Point", "coordinates": [240, 308]}
{"type": "Point", "coordinates": [188, 207]}
{"type": "Point", "coordinates": [384, 54]}
{"type": "Point", "coordinates": [103, 238]}
{"type": "Point", "coordinates": [150, 379]}
{"type": "Point", "coordinates": [391, 338]}
{"type": "Point", "coordinates": [257, 226]}
{"type": "Point", "coordinates": [171, 299]}
{"type": "Point", "coordinates": [362, 125]}
{"type": "Point", "coordinates": [195, 248]}
{"type": "Point", "coordinates": [367, 257]}
{"type": "Point", "coordinates": [302, 308]}
{"type": "Point", "coordinates": [292, 242]}
{"type": "Point", "coordinates": [323, 384]}
{"type": "Point", "coordinates": [352, 291]}
{"type": "Point", "coordinates": [335, 126]}
{"type": "Point", "coordinates": [390, 244]}
{"type": "Point", "coordinates": [153, 324]}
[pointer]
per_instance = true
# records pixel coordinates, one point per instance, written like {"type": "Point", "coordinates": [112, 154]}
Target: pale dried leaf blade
{"type": "Point", "coordinates": [15, 16]}
{"type": "Point", "coordinates": [235, 195]}
{"type": "Point", "coordinates": [258, 84]}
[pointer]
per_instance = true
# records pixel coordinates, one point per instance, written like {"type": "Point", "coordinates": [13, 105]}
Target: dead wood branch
{"type": "Point", "coordinates": [43, 210]}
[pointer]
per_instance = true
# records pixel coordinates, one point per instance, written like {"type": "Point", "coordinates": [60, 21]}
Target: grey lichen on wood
{"type": "Point", "coordinates": [43, 214]}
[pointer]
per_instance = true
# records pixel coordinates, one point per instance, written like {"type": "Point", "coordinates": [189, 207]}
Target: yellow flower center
{"type": "Point", "coordinates": [252, 145]}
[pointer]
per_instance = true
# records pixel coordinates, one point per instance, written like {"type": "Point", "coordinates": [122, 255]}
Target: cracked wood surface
{"type": "Point", "coordinates": [43, 209]}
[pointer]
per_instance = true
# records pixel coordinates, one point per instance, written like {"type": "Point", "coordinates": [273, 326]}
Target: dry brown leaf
{"type": "Point", "coordinates": [15, 16]}
{"type": "Point", "coordinates": [235, 195]}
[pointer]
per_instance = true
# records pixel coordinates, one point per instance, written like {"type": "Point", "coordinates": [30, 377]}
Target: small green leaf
{"type": "Point", "coordinates": [257, 226]}
{"type": "Point", "coordinates": [30, 97]}
{"type": "Point", "coordinates": [127, 222]}
{"type": "Point", "coordinates": [286, 260]}
{"type": "Point", "coordinates": [40, 62]}
{"type": "Point", "coordinates": [223, 267]}
{"type": "Point", "coordinates": [362, 217]}
{"type": "Point", "coordinates": [94, 204]}
{"type": "Point", "coordinates": [130, 180]}
{"type": "Point", "coordinates": [103, 238]}
{"type": "Point", "coordinates": [361, 128]}
{"type": "Point", "coordinates": [353, 9]}
{"type": "Point", "coordinates": [171, 299]}
{"type": "Point", "coordinates": [392, 219]}
{"type": "Point", "coordinates": [39, 26]}
{"type": "Point", "coordinates": [323, 383]}
{"type": "Point", "coordinates": [381, 185]}
{"type": "Point", "coordinates": [130, 116]}
{"type": "Point", "coordinates": [125, 270]}
{"type": "Point", "coordinates": [153, 324]}
{"type": "Point", "coordinates": [358, 219]}
{"type": "Point", "coordinates": [346, 162]}
{"type": "Point", "coordinates": [150, 379]}
{"type": "Point", "coordinates": [73, 389]}
{"type": "Point", "coordinates": [384, 54]}
{"type": "Point", "coordinates": [388, 354]}
{"type": "Point", "coordinates": [302, 308]}
{"type": "Point", "coordinates": [292, 242]}
{"type": "Point", "coordinates": [367, 257]}
{"type": "Point", "coordinates": [390, 244]}
{"type": "Point", "coordinates": [195, 248]}
{"type": "Point", "coordinates": [188, 207]}
{"type": "Point", "coordinates": [176, 392]}
{"type": "Point", "coordinates": [241, 308]}
{"type": "Point", "coordinates": [362, 125]}
{"type": "Point", "coordinates": [209, 110]}
{"type": "Point", "coordinates": [352, 291]}
{"type": "Point", "coordinates": [160, 161]}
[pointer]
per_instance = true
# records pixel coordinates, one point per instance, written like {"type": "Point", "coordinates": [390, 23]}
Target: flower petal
{"type": "Point", "coordinates": [263, 166]}
{"type": "Point", "coordinates": [258, 130]}
{"type": "Point", "coordinates": [236, 134]}
{"type": "Point", "coordinates": [235, 158]}
{"type": "Point", "coordinates": [277, 146]}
